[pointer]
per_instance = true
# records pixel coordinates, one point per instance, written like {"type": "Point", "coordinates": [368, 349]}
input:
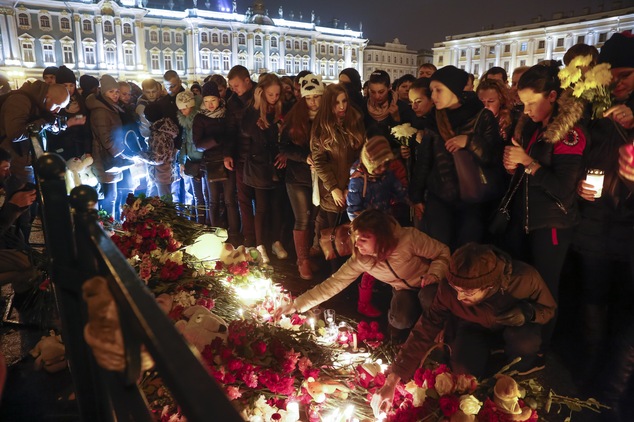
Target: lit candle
{"type": "Point", "coordinates": [311, 321]}
{"type": "Point", "coordinates": [354, 342]}
{"type": "Point", "coordinates": [595, 177]}
{"type": "Point", "coordinates": [292, 412]}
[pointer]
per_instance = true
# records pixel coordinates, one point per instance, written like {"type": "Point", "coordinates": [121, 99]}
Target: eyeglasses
{"type": "Point", "coordinates": [470, 292]}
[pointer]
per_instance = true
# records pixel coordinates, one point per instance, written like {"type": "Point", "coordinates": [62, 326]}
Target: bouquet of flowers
{"type": "Point", "coordinates": [403, 133]}
{"type": "Point", "coordinates": [589, 83]}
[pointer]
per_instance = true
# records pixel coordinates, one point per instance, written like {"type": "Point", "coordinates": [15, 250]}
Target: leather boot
{"type": "Point", "coordinates": [364, 306]}
{"type": "Point", "coordinates": [301, 239]}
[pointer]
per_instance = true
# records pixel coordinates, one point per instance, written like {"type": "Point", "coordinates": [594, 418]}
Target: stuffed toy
{"type": "Point", "coordinates": [50, 353]}
{"type": "Point", "coordinates": [165, 302]}
{"type": "Point", "coordinates": [202, 328]}
{"type": "Point", "coordinates": [506, 395]}
{"type": "Point", "coordinates": [319, 388]}
{"type": "Point", "coordinates": [103, 330]}
{"type": "Point", "coordinates": [79, 172]}
{"type": "Point", "coordinates": [230, 255]}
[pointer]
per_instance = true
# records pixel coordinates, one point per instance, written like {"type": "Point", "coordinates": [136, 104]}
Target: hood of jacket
{"type": "Point", "coordinates": [37, 90]}
{"type": "Point", "coordinates": [166, 126]}
{"type": "Point", "coordinates": [94, 102]}
{"type": "Point", "coordinates": [569, 112]}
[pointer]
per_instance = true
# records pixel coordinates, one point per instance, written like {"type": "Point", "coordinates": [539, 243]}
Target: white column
{"type": "Point", "coordinates": [13, 30]}
{"type": "Point", "coordinates": [469, 58]}
{"type": "Point", "coordinates": [267, 53]}
{"type": "Point", "coordinates": [347, 55]}
{"type": "Point", "coordinates": [139, 36]}
{"type": "Point", "coordinates": [119, 41]}
{"type": "Point", "coordinates": [6, 41]}
{"type": "Point", "coordinates": [513, 56]}
{"type": "Point", "coordinates": [531, 52]}
{"type": "Point", "coordinates": [360, 61]}
{"type": "Point", "coordinates": [101, 62]}
{"type": "Point", "coordinates": [191, 56]}
{"type": "Point", "coordinates": [498, 51]}
{"type": "Point", "coordinates": [250, 52]}
{"type": "Point", "coordinates": [549, 48]}
{"type": "Point", "coordinates": [281, 46]}
{"type": "Point", "coordinates": [78, 43]}
{"type": "Point", "coordinates": [313, 56]}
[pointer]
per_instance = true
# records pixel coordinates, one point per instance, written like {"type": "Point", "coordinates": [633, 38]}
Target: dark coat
{"type": "Point", "coordinates": [237, 145]}
{"type": "Point", "coordinates": [210, 136]}
{"type": "Point", "coordinates": [297, 169]}
{"type": "Point", "coordinates": [262, 147]}
{"type": "Point", "coordinates": [107, 136]}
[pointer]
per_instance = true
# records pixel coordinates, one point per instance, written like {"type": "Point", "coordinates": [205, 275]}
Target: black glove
{"type": "Point", "coordinates": [522, 313]}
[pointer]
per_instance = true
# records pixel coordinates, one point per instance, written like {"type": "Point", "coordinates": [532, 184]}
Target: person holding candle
{"type": "Point", "coordinates": [486, 297]}
{"type": "Point", "coordinates": [602, 239]}
{"type": "Point", "coordinates": [545, 159]}
{"type": "Point", "coordinates": [403, 257]}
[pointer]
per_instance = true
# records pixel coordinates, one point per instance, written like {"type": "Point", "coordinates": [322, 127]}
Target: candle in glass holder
{"type": "Point", "coordinates": [354, 342]}
{"type": "Point", "coordinates": [343, 336]}
{"type": "Point", "coordinates": [595, 177]}
{"type": "Point", "coordinates": [329, 316]}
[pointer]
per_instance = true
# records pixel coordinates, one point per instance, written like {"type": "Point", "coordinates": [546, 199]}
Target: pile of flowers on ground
{"type": "Point", "coordinates": [299, 367]}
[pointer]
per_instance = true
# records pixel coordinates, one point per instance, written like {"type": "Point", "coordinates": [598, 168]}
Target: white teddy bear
{"type": "Point", "coordinates": [79, 172]}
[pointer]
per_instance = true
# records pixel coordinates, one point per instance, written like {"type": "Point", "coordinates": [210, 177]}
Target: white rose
{"type": "Point", "coordinates": [418, 394]}
{"type": "Point", "coordinates": [470, 405]}
{"type": "Point", "coordinates": [444, 384]}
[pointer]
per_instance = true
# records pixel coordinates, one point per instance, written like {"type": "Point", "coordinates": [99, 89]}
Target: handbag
{"type": "Point", "coordinates": [215, 171]}
{"type": "Point", "coordinates": [502, 215]}
{"type": "Point", "coordinates": [192, 168]}
{"type": "Point", "coordinates": [476, 183]}
{"type": "Point", "coordinates": [335, 241]}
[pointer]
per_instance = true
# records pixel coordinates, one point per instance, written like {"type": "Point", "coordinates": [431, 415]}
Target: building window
{"type": "Point", "coordinates": [541, 45]}
{"type": "Point", "coordinates": [440, 60]}
{"type": "Point", "coordinates": [64, 24]}
{"type": "Point", "coordinates": [127, 29]}
{"type": "Point", "coordinates": [89, 54]}
{"type": "Point", "coordinates": [297, 64]}
{"type": "Point", "coordinates": [331, 50]}
{"type": "Point", "coordinates": [581, 39]}
{"type": "Point", "coordinates": [45, 22]}
{"type": "Point", "coordinates": [322, 49]}
{"type": "Point", "coordinates": [522, 62]}
{"type": "Point", "coordinates": [331, 70]}
{"type": "Point", "coordinates": [463, 53]}
{"type": "Point", "coordinates": [167, 39]}
{"type": "Point", "coordinates": [180, 62]}
{"type": "Point", "coordinates": [258, 40]}
{"type": "Point", "coordinates": [560, 42]}
{"type": "Point", "coordinates": [492, 50]}
{"type": "Point", "coordinates": [204, 61]}
{"type": "Point", "coordinates": [376, 57]}
{"type": "Point", "coordinates": [273, 42]}
{"type": "Point", "coordinates": [322, 68]}
{"type": "Point", "coordinates": [154, 61]}
{"type": "Point", "coordinates": [258, 64]}
{"type": "Point", "coordinates": [507, 48]}
{"type": "Point", "coordinates": [289, 44]}
{"type": "Point", "coordinates": [128, 55]}
{"type": "Point", "coordinates": [242, 39]}
{"type": "Point", "coordinates": [476, 69]}
{"type": "Point", "coordinates": [225, 39]}
{"type": "Point", "coordinates": [49, 53]}
{"type": "Point", "coordinates": [215, 39]}
{"type": "Point", "coordinates": [275, 64]}
{"type": "Point", "coordinates": [107, 27]}
{"type": "Point", "coordinates": [603, 37]}
{"type": "Point", "coordinates": [289, 66]}
{"type": "Point", "coordinates": [524, 46]}
{"type": "Point", "coordinates": [215, 62]}
{"type": "Point", "coordinates": [167, 61]}
{"type": "Point", "coordinates": [178, 38]}
{"type": "Point", "coordinates": [305, 45]}
{"type": "Point", "coordinates": [69, 54]}
{"type": "Point", "coordinates": [87, 25]}
{"type": "Point", "coordinates": [204, 37]}
{"type": "Point", "coordinates": [27, 52]}
{"type": "Point", "coordinates": [111, 56]}
{"type": "Point", "coordinates": [23, 20]}
{"type": "Point", "coordinates": [506, 66]}
{"type": "Point", "coordinates": [226, 62]}
{"type": "Point", "coordinates": [242, 60]}
{"type": "Point", "coordinates": [476, 51]}
{"type": "Point", "coordinates": [340, 51]}
{"type": "Point", "coordinates": [296, 45]}
{"type": "Point", "coordinates": [389, 59]}
{"type": "Point", "coordinates": [369, 57]}
{"type": "Point", "coordinates": [305, 62]}
{"type": "Point", "coordinates": [154, 37]}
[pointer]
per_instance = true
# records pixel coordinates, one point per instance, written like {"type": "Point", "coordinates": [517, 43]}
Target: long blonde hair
{"type": "Point", "coordinates": [259, 98]}
{"type": "Point", "coordinates": [325, 124]}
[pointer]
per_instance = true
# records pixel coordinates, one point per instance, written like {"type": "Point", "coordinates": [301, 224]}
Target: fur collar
{"type": "Point", "coordinates": [569, 112]}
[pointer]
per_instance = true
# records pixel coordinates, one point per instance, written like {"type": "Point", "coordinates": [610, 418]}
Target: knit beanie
{"type": "Point", "coordinates": [185, 99]}
{"type": "Point", "coordinates": [353, 75]}
{"type": "Point", "coordinates": [618, 50]}
{"type": "Point", "coordinates": [88, 83]}
{"type": "Point", "coordinates": [51, 70]}
{"type": "Point", "coordinates": [311, 85]}
{"type": "Point", "coordinates": [196, 85]}
{"type": "Point", "coordinates": [376, 151]}
{"type": "Point", "coordinates": [475, 266]}
{"type": "Point", "coordinates": [65, 76]}
{"type": "Point", "coordinates": [210, 89]}
{"type": "Point", "coordinates": [107, 83]}
{"type": "Point", "coordinates": [453, 78]}
{"type": "Point", "coordinates": [153, 111]}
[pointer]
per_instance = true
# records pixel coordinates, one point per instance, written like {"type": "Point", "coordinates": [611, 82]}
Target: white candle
{"type": "Point", "coordinates": [292, 412]}
{"type": "Point", "coordinates": [595, 177]}
{"type": "Point", "coordinates": [311, 321]}
{"type": "Point", "coordinates": [354, 342]}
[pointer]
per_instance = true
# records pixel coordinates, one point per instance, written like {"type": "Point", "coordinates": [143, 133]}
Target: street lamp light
{"type": "Point", "coordinates": [15, 75]}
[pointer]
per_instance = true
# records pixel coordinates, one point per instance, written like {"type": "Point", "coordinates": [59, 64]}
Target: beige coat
{"type": "Point", "coordinates": [415, 255]}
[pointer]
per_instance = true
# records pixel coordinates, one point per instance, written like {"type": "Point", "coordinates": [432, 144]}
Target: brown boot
{"type": "Point", "coordinates": [364, 305]}
{"type": "Point", "coordinates": [301, 239]}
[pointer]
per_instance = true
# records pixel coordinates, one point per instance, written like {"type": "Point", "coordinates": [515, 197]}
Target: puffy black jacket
{"type": "Point", "coordinates": [210, 136]}
{"type": "Point", "coordinates": [297, 169]}
{"type": "Point", "coordinates": [237, 145]}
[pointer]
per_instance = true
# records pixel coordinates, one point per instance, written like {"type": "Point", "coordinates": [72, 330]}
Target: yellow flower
{"type": "Point", "coordinates": [581, 61]}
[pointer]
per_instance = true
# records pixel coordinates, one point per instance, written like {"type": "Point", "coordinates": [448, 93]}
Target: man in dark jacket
{"type": "Point", "coordinates": [485, 297]}
{"type": "Point", "coordinates": [15, 266]}
{"type": "Point", "coordinates": [238, 143]}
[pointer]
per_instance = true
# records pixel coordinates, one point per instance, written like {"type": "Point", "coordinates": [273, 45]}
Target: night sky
{"type": "Point", "coordinates": [420, 23]}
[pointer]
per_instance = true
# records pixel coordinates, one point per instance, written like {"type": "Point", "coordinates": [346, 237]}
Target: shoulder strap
{"type": "Point", "coordinates": [397, 276]}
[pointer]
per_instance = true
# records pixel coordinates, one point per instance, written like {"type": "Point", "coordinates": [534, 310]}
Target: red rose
{"type": "Point", "coordinates": [449, 405]}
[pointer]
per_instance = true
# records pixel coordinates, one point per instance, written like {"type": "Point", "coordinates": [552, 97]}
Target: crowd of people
{"type": "Point", "coordinates": [253, 156]}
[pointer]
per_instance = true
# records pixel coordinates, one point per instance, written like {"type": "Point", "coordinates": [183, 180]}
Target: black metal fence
{"type": "Point", "coordinates": [79, 250]}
